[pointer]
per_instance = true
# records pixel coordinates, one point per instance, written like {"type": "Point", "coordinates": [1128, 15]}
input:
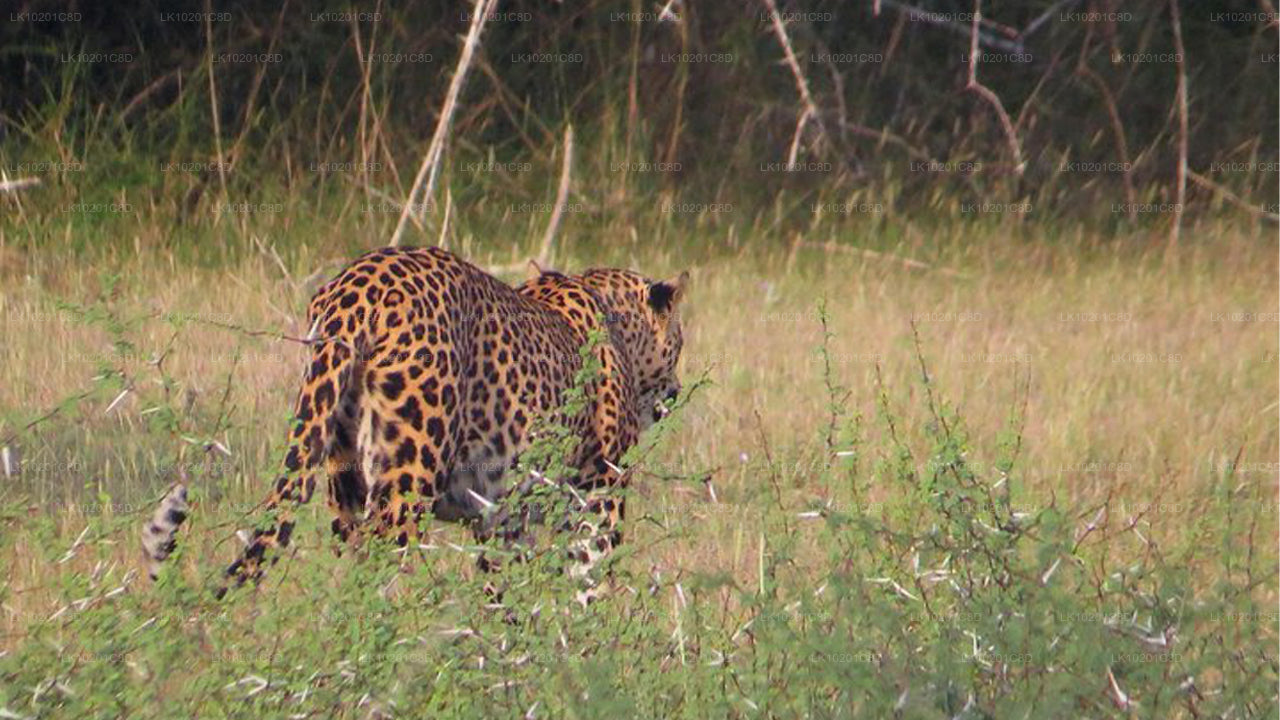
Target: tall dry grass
{"type": "Point", "coordinates": [1139, 374]}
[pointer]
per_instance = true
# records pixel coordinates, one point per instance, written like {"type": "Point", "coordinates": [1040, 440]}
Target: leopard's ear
{"type": "Point", "coordinates": [536, 270]}
{"type": "Point", "coordinates": [665, 295]}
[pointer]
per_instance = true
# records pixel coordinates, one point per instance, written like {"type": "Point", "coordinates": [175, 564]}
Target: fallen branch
{"type": "Point", "coordinates": [1231, 197]}
{"type": "Point", "coordinates": [431, 163]}
{"type": "Point", "coordinates": [877, 255]}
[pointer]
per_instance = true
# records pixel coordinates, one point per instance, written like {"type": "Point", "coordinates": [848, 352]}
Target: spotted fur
{"type": "Point", "coordinates": [426, 374]}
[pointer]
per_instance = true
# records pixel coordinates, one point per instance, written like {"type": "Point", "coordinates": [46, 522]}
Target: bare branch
{"type": "Point", "coordinates": [983, 91]}
{"type": "Point", "coordinates": [802, 85]}
{"type": "Point", "coordinates": [431, 163]}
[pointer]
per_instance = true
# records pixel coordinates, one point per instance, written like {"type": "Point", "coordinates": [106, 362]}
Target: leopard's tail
{"type": "Point", "coordinates": [159, 535]}
{"type": "Point", "coordinates": [322, 426]}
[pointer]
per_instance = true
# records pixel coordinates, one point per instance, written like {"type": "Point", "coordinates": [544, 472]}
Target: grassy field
{"type": "Point", "coordinates": [967, 433]}
{"type": "Point", "coordinates": [1071, 513]}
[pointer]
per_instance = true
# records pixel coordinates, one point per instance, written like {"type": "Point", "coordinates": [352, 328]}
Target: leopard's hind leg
{"type": "Point", "coordinates": [408, 436]}
{"type": "Point", "coordinates": [347, 486]}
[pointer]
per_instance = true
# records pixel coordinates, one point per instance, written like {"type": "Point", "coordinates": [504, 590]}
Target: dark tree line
{"type": "Point", "coordinates": [1077, 99]}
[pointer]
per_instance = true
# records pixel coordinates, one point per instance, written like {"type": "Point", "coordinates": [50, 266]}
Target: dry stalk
{"type": "Point", "coordinates": [379, 140]}
{"type": "Point", "coordinates": [1117, 127]}
{"type": "Point", "coordinates": [247, 122]}
{"type": "Point", "coordinates": [213, 103]}
{"type": "Point", "coordinates": [366, 69]}
{"type": "Point", "coordinates": [431, 163]}
{"type": "Point", "coordinates": [147, 92]}
{"type": "Point", "coordinates": [7, 185]}
{"type": "Point", "coordinates": [796, 137]}
{"type": "Point", "coordinates": [1175, 17]}
{"type": "Point", "coordinates": [677, 125]}
{"type": "Point", "coordinates": [633, 85]}
{"type": "Point", "coordinates": [562, 196]}
{"type": "Point", "coordinates": [443, 240]}
{"type": "Point", "coordinates": [506, 98]}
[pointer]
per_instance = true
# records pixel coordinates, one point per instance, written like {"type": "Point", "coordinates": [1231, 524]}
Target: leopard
{"type": "Point", "coordinates": [428, 377]}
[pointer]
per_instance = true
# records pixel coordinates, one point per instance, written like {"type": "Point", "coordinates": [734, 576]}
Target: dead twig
{"type": "Point", "coordinates": [507, 100]}
{"type": "Point", "coordinates": [147, 92]}
{"type": "Point", "coordinates": [275, 257]}
{"type": "Point", "coordinates": [1005, 38]}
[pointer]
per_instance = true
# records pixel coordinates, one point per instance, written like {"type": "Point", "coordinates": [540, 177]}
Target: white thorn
{"type": "Point", "coordinates": [115, 402]}
{"type": "Point", "coordinates": [1044, 579]}
{"type": "Point", "coordinates": [484, 502]}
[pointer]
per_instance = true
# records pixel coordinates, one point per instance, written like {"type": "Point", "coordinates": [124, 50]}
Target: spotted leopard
{"type": "Point", "coordinates": [426, 375]}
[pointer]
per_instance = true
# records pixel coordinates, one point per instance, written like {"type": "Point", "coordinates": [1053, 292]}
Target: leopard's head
{"type": "Point", "coordinates": [645, 317]}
